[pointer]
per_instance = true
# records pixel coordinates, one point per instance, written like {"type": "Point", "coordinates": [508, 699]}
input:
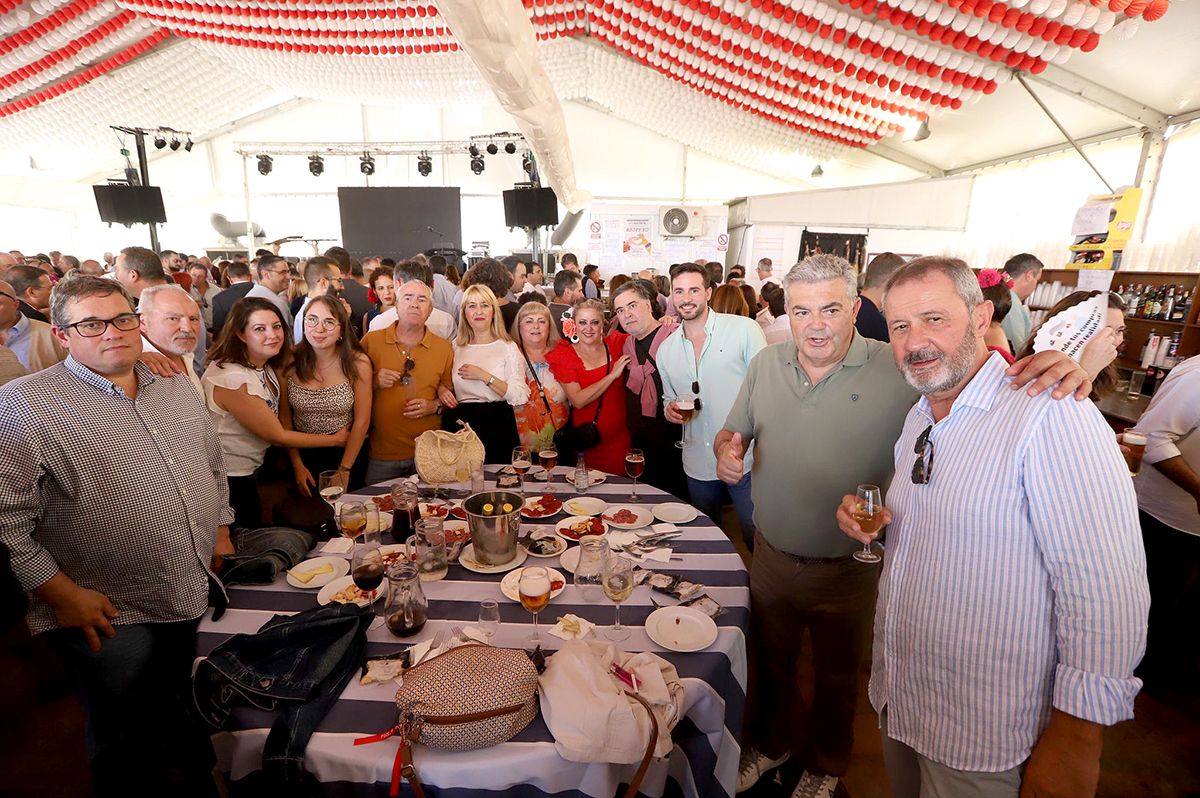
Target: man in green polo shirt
{"type": "Point", "coordinates": [824, 412]}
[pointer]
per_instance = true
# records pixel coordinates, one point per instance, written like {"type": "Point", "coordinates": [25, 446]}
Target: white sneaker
{"type": "Point", "coordinates": [813, 786]}
{"type": "Point", "coordinates": [753, 765]}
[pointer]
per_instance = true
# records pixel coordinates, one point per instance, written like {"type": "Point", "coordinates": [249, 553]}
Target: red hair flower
{"type": "Point", "coordinates": [991, 277]}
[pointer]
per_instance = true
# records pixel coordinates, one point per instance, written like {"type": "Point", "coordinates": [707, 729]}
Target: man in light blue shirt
{"type": "Point", "coordinates": [1025, 271]}
{"type": "Point", "coordinates": [1012, 604]}
{"type": "Point", "coordinates": [707, 358]}
{"type": "Point", "coordinates": [272, 280]}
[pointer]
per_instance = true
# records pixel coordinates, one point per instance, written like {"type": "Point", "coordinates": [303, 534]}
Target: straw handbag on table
{"type": "Point", "coordinates": [443, 457]}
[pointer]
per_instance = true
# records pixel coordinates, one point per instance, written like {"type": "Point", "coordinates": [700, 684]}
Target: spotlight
{"type": "Point", "coordinates": [265, 162]}
{"type": "Point", "coordinates": [492, 149]}
{"type": "Point", "coordinates": [367, 165]}
{"type": "Point", "coordinates": [510, 148]}
{"type": "Point", "coordinates": [477, 164]}
{"type": "Point", "coordinates": [818, 171]}
{"type": "Point", "coordinates": [188, 146]}
{"type": "Point", "coordinates": [528, 164]}
{"type": "Point", "coordinates": [159, 141]}
{"type": "Point", "coordinates": [175, 143]}
{"type": "Point", "coordinates": [424, 164]}
{"type": "Point", "coordinates": [316, 165]}
{"type": "Point", "coordinates": [920, 133]}
{"type": "Point", "coordinates": [473, 150]}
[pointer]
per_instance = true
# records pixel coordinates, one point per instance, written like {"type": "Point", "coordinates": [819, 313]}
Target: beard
{"type": "Point", "coordinates": [953, 367]}
{"type": "Point", "coordinates": [181, 346]}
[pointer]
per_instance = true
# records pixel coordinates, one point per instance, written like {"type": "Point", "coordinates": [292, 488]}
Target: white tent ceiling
{"type": "Point", "coordinates": [70, 68]}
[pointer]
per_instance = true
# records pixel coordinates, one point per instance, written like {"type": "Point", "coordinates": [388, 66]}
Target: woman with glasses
{"type": "Point", "coordinates": [241, 388]}
{"type": "Point", "coordinates": [1100, 353]}
{"type": "Point", "coordinates": [327, 388]}
{"type": "Point", "coordinates": [489, 375]}
{"type": "Point", "coordinates": [546, 411]}
{"type": "Point", "coordinates": [591, 373]}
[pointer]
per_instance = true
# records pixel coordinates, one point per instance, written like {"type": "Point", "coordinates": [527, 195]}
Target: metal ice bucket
{"type": "Point", "coordinates": [494, 536]}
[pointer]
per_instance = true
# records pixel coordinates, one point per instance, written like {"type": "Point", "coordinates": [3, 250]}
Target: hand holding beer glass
{"type": "Point", "coordinates": [685, 406]}
{"type": "Point", "coordinates": [1134, 448]}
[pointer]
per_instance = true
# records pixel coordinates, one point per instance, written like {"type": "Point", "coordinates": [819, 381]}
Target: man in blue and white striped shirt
{"type": "Point", "coordinates": [1013, 600]}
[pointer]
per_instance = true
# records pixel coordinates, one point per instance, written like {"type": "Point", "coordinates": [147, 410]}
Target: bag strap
{"type": "Point", "coordinates": [607, 371]}
{"type": "Point", "coordinates": [541, 391]}
{"type": "Point", "coordinates": [632, 791]}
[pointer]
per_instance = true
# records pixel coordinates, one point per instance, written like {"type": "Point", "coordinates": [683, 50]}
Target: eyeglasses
{"type": "Point", "coordinates": [94, 328]}
{"type": "Point", "coordinates": [922, 468]}
{"type": "Point", "coordinates": [313, 321]}
{"type": "Point", "coordinates": [10, 296]}
{"type": "Point", "coordinates": [279, 271]}
{"type": "Point", "coordinates": [406, 375]}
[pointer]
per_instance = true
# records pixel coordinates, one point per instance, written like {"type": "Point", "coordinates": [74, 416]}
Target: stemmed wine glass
{"type": "Point", "coordinates": [685, 406]}
{"type": "Point", "coordinates": [618, 585]}
{"type": "Point", "coordinates": [366, 569]}
{"type": "Point", "coordinates": [549, 458]}
{"type": "Point", "coordinates": [635, 464]}
{"type": "Point", "coordinates": [522, 461]}
{"type": "Point", "coordinates": [489, 618]}
{"type": "Point", "coordinates": [868, 514]}
{"type": "Point", "coordinates": [534, 590]}
{"type": "Point", "coordinates": [352, 519]}
{"type": "Point", "coordinates": [331, 484]}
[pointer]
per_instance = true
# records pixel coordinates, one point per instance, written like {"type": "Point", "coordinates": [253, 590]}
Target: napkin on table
{"type": "Point", "coordinates": [559, 629]}
{"type": "Point", "coordinates": [335, 546]}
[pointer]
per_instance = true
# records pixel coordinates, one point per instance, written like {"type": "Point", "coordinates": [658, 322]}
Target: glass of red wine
{"type": "Point", "coordinates": [366, 569]}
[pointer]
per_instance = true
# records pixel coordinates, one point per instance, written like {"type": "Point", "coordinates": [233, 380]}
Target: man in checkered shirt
{"type": "Point", "coordinates": [114, 503]}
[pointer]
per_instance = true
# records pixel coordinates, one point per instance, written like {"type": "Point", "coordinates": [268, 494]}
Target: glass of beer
{"type": "Point", "coordinates": [618, 586]}
{"type": "Point", "coordinates": [332, 485]}
{"type": "Point", "coordinates": [635, 464]}
{"type": "Point", "coordinates": [868, 512]}
{"type": "Point", "coordinates": [522, 461]}
{"type": "Point", "coordinates": [685, 406]}
{"type": "Point", "coordinates": [1135, 442]}
{"type": "Point", "coordinates": [534, 590]}
{"type": "Point", "coordinates": [549, 457]}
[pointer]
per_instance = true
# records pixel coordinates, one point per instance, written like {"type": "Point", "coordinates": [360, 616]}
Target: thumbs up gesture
{"type": "Point", "coordinates": [731, 460]}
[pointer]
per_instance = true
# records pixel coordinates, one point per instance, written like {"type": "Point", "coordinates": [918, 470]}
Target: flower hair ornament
{"type": "Point", "coordinates": [569, 327]}
{"type": "Point", "coordinates": [991, 277]}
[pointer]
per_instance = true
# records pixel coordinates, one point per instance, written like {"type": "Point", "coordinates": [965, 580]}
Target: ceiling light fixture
{"type": "Point", "coordinates": [492, 149]}
{"type": "Point", "coordinates": [175, 144]}
{"type": "Point", "coordinates": [474, 150]}
{"type": "Point", "coordinates": [424, 164]}
{"type": "Point", "coordinates": [919, 133]}
{"type": "Point", "coordinates": [367, 164]}
{"type": "Point", "coordinates": [510, 148]}
{"type": "Point", "coordinates": [159, 141]}
{"type": "Point", "coordinates": [188, 146]}
{"type": "Point", "coordinates": [818, 171]}
{"type": "Point", "coordinates": [316, 165]}
{"type": "Point", "coordinates": [265, 163]}
{"type": "Point", "coordinates": [477, 164]}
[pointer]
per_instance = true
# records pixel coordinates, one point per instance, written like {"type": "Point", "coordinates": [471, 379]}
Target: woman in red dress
{"type": "Point", "coordinates": [592, 373]}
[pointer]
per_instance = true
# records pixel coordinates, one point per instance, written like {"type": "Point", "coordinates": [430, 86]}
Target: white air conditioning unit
{"type": "Point", "coordinates": [681, 221]}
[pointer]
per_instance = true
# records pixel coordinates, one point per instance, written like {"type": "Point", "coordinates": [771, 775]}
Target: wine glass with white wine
{"type": "Point", "coordinates": [618, 586]}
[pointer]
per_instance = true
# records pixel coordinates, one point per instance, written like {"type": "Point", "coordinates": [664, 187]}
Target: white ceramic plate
{"type": "Point", "coordinates": [644, 516]}
{"type": "Point", "coordinates": [594, 477]}
{"type": "Point", "coordinates": [338, 585]}
{"type": "Point", "coordinates": [341, 567]}
{"type": "Point", "coordinates": [385, 521]}
{"type": "Point", "coordinates": [675, 512]}
{"type": "Point", "coordinates": [585, 505]}
{"type": "Point", "coordinates": [547, 532]}
{"type": "Point", "coordinates": [681, 629]}
{"type": "Point", "coordinates": [556, 504]}
{"type": "Point", "coordinates": [434, 509]}
{"type": "Point", "coordinates": [467, 560]}
{"type": "Point", "coordinates": [569, 535]}
{"type": "Point", "coordinates": [508, 585]}
{"type": "Point", "coordinates": [570, 559]}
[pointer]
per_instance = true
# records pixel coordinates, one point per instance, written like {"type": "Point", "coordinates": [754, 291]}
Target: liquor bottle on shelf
{"type": "Point", "coordinates": [1168, 305]}
{"type": "Point", "coordinates": [1135, 300]}
{"type": "Point", "coordinates": [1155, 304]}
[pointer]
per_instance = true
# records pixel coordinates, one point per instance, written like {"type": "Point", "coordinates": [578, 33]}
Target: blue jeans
{"type": "Point", "coordinates": [383, 470]}
{"type": "Point", "coordinates": [709, 496]}
{"type": "Point", "coordinates": [143, 734]}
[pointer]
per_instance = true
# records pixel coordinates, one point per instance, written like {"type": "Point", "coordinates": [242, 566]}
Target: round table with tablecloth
{"type": "Point", "coordinates": [704, 761]}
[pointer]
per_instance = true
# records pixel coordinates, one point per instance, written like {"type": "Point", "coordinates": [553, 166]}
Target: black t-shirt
{"type": "Point", "coordinates": [870, 322]}
{"type": "Point", "coordinates": [509, 314]}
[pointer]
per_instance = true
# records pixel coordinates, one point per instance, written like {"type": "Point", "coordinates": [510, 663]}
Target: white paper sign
{"type": "Point", "coordinates": [1069, 331]}
{"type": "Point", "coordinates": [1094, 280]}
{"type": "Point", "coordinates": [1091, 219]}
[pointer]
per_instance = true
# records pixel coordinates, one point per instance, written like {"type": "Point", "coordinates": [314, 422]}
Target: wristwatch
{"type": "Point", "coordinates": [491, 379]}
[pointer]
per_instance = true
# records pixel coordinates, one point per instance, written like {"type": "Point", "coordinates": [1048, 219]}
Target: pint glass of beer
{"type": "Point", "coordinates": [1135, 442]}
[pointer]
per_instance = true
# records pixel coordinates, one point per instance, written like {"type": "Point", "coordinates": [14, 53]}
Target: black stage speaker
{"type": "Point", "coordinates": [399, 222]}
{"type": "Point", "coordinates": [530, 207]}
{"type": "Point", "coordinates": [121, 204]}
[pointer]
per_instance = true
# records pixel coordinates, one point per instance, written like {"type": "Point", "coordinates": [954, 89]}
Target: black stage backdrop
{"type": "Point", "coordinates": [396, 222]}
{"type": "Point", "coordinates": [851, 246]}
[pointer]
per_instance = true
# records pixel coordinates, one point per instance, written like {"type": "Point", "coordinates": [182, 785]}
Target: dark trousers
{"type": "Point", "coordinates": [834, 600]}
{"type": "Point", "coordinates": [245, 502]}
{"type": "Point", "coordinates": [1172, 563]}
{"type": "Point", "coordinates": [144, 735]}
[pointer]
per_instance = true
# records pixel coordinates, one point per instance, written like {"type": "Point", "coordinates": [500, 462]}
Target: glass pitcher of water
{"type": "Point", "coordinates": [589, 573]}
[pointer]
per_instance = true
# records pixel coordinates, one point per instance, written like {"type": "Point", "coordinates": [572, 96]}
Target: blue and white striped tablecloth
{"type": "Point", "coordinates": [703, 763]}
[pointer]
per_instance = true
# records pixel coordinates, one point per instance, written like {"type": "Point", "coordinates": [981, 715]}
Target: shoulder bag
{"type": "Point", "coordinates": [581, 437]}
{"type": "Point", "coordinates": [441, 456]}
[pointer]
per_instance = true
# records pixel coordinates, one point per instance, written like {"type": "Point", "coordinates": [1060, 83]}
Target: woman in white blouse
{"type": "Point", "coordinates": [241, 387]}
{"type": "Point", "coordinates": [489, 376]}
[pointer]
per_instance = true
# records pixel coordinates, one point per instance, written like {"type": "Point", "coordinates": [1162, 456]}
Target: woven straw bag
{"type": "Point", "coordinates": [470, 697]}
{"type": "Point", "coordinates": [441, 456]}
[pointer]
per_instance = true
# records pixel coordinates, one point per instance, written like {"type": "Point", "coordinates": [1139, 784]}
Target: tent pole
{"type": "Point", "coordinates": [1061, 129]}
{"type": "Point", "coordinates": [246, 193]}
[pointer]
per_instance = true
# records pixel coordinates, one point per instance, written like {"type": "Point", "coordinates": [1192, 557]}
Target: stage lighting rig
{"type": "Point", "coordinates": [159, 141]}
{"type": "Point", "coordinates": [367, 164]}
{"type": "Point", "coordinates": [492, 149]}
{"type": "Point", "coordinates": [510, 148]}
{"type": "Point", "coordinates": [316, 165]}
{"type": "Point", "coordinates": [265, 162]}
{"type": "Point", "coordinates": [477, 164]}
{"type": "Point", "coordinates": [424, 164]}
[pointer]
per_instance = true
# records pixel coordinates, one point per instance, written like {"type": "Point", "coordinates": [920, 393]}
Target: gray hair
{"type": "Point", "coordinates": [820, 269]}
{"type": "Point", "coordinates": [641, 287]}
{"type": "Point", "coordinates": [80, 287]}
{"type": "Point", "coordinates": [966, 284]}
{"type": "Point", "coordinates": [150, 296]}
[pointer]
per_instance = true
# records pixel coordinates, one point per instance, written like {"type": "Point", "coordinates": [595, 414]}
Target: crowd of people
{"type": "Point", "coordinates": [1009, 614]}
